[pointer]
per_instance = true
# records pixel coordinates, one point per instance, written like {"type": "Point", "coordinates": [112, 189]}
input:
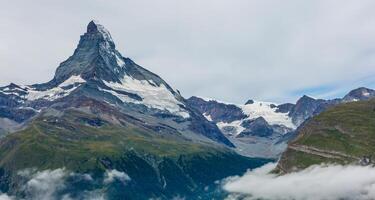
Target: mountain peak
{"type": "Point", "coordinates": [95, 57]}
{"type": "Point", "coordinates": [250, 101]}
{"type": "Point", "coordinates": [360, 93]}
{"type": "Point", "coordinates": [94, 27]}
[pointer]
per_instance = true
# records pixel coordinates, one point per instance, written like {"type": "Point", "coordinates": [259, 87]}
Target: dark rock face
{"type": "Point", "coordinates": [11, 104]}
{"type": "Point", "coordinates": [285, 108]}
{"type": "Point", "coordinates": [217, 111]}
{"type": "Point", "coordinates": [304, 109]}
{"type": "Point", "coordinates": [273, 106]}
{"type": "Point", "coordinates": [199, 124]}
{"type": "Point", "coordinates": [359, 94]}
{"type": "Point", "coordinates": [94, 56]}
{"type": "Point", "coordinates": [307, 107]}
{"type": "Point", "coordinates": [256, 127]}
{"type": "Point", "coordinates": [250, 101]}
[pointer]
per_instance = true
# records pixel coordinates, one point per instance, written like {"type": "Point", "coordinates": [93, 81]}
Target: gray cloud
{"type": "Point", "coordinates": [230, 50]}
{"type": "Point", "coordinates": [323, 182]}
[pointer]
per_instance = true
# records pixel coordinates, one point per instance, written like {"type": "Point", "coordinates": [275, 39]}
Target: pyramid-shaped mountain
{"type": "Point", "coordinates": [97, 71]}
{"type": "Point", "coordinates": [102, 116]}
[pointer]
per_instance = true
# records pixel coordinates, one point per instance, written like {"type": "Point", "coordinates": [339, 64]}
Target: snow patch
{"type": "Point", "coordinates": [72, 80]}
{"type": "Point", "coordinates": [236, 125]}
{"type": "Point", "coordinates": [264, 109]}
{"type": "Point", "coordinates": [120, 61]}
{"type": "Point", "coordinates": [253, 111]}
{"type": "Point", "coordinates": [207, 116]}
{"type": "Point", "coordinates": [208, 99]}
{"type": "Point", "coordinates": [158, 97]}
{"type": "Point", "coordinates": [56, 92]}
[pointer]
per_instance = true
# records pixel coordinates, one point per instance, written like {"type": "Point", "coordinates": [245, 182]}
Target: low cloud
{"type": "Point", "coordinates": [55, 184]}
{"type": "Point", "coordinates": [87, 195]}
{"type": "Point", "coordinates": [44, 185]}
{"type": "Point", "coordinates": [333, 182]}
{"type": "Point", "coordinates": [5, 197]}
{"type": "Point", "coordinates": [112, 175]}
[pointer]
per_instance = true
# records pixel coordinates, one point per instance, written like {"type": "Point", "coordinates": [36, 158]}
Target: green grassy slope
{"type": "Point", "coordinates": [343, 134]}
{"type": "Point", "coordinates": [160, 165]}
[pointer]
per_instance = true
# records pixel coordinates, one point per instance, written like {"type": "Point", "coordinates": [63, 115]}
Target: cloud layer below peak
{"type": "Point", "coordinates": [333, 182]}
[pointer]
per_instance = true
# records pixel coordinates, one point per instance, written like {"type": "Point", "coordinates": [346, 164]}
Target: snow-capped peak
{"type": "Point", "coordinates": [252, 111]}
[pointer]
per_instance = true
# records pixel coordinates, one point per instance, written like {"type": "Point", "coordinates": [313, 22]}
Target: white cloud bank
{"type": "Point", "coordinates": [333, 182]}
{"type": "Point", "coordinates": [54, 184]}
{"type": "Point", "coordinates": [44, 185]}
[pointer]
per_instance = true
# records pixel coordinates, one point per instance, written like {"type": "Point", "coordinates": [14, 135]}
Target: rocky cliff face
{"type": "Point", "coordinates": [304, 108]}
{"type": "Point", "coordinates": [256, 127]}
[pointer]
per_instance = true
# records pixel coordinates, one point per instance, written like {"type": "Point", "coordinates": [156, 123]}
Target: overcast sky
{"type": "Point", "coordinates": [232, 50]}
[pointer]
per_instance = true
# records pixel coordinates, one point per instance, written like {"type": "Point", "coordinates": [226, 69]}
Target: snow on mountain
{"type": "Point", "coordinates": [359, 94]}
{"type": "Point", "coordinates": [97, 61]}
{"type": "Point", "coordinates": [30, 93]}
{"type": "Point", "coordinates": [153, 96]}
{"type": "Point", "coordinates": [120, 61]}
{"type": "Point", "coordinates": [254, 110]}
{"type": "Point", "coordinates": [268, 112]}
{"type": "Point", "coordinates": [98, 75]}
{"type": "Point", "coordinates": [233, 128]}
{"type": "Point", "coordinates": [56, 92]}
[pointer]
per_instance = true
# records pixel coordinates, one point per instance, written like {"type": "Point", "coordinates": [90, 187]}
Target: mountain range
{"type": "Point", "coordinates": [262, 129]}
{"type": "Point", "coordinates": [102, 112]}
{"type": "Point", "coordinates": [110, 127]}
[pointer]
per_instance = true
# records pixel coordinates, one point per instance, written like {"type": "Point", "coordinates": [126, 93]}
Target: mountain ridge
{"type": "Point", "coordinates": [275, 124]}
{"type": "Point", "coordinates": [342, 134]}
